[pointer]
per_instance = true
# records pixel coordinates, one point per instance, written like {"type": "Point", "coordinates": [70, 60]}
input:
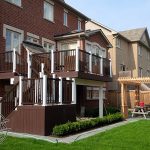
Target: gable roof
{"type": "Point", "coordinates": [78, 34]}
{"type": "Point", "coordinates": [134, 34]}
{"type": "Point", "coordinates": [103, 26]}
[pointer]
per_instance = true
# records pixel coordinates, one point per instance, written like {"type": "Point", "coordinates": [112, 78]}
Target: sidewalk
{"type": "Point", "coordinates": [75, 137]}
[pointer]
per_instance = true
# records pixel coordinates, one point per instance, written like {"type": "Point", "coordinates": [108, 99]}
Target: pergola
{"type": "Point", "coordinates": [125, 81]}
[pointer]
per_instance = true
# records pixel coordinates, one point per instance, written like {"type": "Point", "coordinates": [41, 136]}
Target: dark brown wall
{"type": "Point", "coordinates": [40, 120]}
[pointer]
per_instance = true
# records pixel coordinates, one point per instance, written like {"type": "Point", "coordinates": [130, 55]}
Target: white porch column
{"type": "Point", "coordinates": [20, 90]}
{"type": "Point", "coordinates": [101, 101]}
{"type": "Point", "coordinates": [44, 90]}
{"type": "Point", "coordinates": [74, 100]}
{"type": "Point", "coordinates": [101, 66]}
{"type": "Point", "coordinates": [90, 62]}
{"type": "Point", "coordinates": [77, 59]}
{"type": "Point", "coordinates": [52, 61]}
{"type": "Point", "coordinates": [29, 64]}
{"type": "Point", "coordinates": [110, 68]}
{"type": "Point", "coordinates": [14, 60]}
{"type": "Point", "coordinates": [60, 90]}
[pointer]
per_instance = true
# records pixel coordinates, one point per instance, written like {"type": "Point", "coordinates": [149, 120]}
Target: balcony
{"type": "Point", "coordinates": [79, 63]}
{"type": "Point", "coordinates": [12, 63]}
{"type": "Point", "coordinates": [73, 63]}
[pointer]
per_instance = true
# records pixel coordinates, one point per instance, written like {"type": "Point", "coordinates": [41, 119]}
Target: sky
{"type": "Point", "coordinates": [116, 14]}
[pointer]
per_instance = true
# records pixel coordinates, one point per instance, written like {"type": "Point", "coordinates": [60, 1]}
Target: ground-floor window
{"type": "Point", "coordinates": [92, 93]}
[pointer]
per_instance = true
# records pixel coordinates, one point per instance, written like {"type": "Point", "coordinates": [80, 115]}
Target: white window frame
{"type": "Point", "coordinates": [51, 3]}
{"type": "Point", "coordinates": [118, 42]}
{"type": "Point", "coordinates": [48, 41]}
{"type": "Point", "coordinates": [65, 17]}
{"type": "Point", "coordinates": [79, 24]}
{"type": "Point", "coordinates": [14, 2]}
{"type": "Point", "coordinates": [100, 47]}
{"type": "Point", "coordinates": [91, 96]}
{"type": "Point", "coordinates": [13, 29]}
{"type": "Point", "coordinates": [122, 67]}
{"type": "Point", "coordinates": [33, 36]}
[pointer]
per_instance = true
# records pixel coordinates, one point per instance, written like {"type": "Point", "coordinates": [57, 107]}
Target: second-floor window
{"type": "Point", "coordinates": [79, 24]}
{"type": "Point", "coordinates": [65, 17]}
{"type": "Point", "coordinates": [49, 10]}
{"type": "Point", "coordinates": [16, 2]}
{"type": "Point", "coordinates": [48, 46]}
{"type": "Point", "coordinates": [13, 40]}
{"type": "Point", "coordinates": [118, 42]}
{"type": "Point", "coordinates": [122, 67]}
{"type": "Point", "coordinates": [32, 38]}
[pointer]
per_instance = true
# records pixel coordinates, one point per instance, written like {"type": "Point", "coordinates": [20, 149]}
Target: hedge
{"type": "Point", "coordinates": [74, 127]}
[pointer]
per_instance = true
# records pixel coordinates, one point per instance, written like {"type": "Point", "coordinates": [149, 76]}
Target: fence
{"type": "Point", "coordinates": [9, 101]}
{"type": "Point", "coordinates": [6, 61]}
{"type": "Point", "coordinates": [114, 98]}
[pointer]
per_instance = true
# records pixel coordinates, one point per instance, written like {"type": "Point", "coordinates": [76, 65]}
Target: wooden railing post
{"type": "Point", "coordinates": [101, 66]}
{"type": "Point", "coordinates": [44, 90]}
{"type": "Point", "coordinates": [20, 90]}
{"type": "Point", "coordinates": [52, 61]}
{"type": "Point", "coordinates": [60, 90]}
{"type": "Point", "coordinates": [90, 62]}
{"type": "Point", "coordinates": [42, 67]}
{"type": "Point", "coordinates": [74, 101]}
{"type": "Point", "coordinates": [14, 60]}
{"type": "Point", "coordinates": [77, 59]}
{"type": "Point", "coordinates": [110, 68]}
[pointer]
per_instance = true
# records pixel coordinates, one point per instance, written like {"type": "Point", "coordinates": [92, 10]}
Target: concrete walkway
{"type": "Point", "coordinates": [75, 137]}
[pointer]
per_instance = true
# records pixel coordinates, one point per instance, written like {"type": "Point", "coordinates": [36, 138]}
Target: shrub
{"type": "Point", "coordinates": [78, 126]}
{"type": "Point", "coordinates": [95, 111]}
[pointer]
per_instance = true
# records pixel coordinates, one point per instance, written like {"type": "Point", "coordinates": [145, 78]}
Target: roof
{"type": "Point", "coordinates": [103, 26]}
{"type": "Point", "coordinates": [34, 48]}
{"type": "Point", "coordinates": [134, 34]}
{"type": "Point", "coordinates": [73, 9]}
{"type": "Point", "coordinates": [78, 34]}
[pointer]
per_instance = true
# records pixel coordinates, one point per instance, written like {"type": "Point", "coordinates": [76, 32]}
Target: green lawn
{"type": "Point", "coordinates": [134, 136]}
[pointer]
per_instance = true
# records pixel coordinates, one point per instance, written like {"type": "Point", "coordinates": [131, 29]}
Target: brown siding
{"type": "Point", "coordinates": [40, 120]}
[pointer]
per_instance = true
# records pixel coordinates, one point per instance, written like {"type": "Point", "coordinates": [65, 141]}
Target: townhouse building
{"type": "Point", "coordinates": [130, 54]}
{"type": "Point", "coordinates": [49, 72]}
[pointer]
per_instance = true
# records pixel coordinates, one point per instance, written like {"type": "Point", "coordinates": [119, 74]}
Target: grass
{"type": "Point", "coordinates": [134, 136]}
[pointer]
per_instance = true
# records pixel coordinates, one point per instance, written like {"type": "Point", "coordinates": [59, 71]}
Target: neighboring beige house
{"type": "Point", "coordinates": [130, 52]}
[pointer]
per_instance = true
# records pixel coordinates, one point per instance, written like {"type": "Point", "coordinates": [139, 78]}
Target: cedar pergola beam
{"type": "Point", "coordinates": [124, 83]}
